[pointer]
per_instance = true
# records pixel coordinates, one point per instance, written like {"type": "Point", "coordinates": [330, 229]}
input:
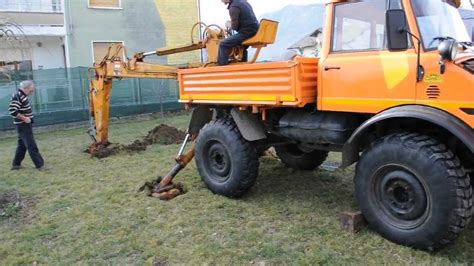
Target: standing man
{"type": "Point", "coordinates": [244, 21]}
{"type": "Point", "coordinates": [20, 110]}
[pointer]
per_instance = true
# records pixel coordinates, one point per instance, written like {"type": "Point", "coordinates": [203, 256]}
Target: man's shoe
{"type": "Point", "coordinates": [42, 169]}
{"type": "Point", "coordinates": [16, 167]}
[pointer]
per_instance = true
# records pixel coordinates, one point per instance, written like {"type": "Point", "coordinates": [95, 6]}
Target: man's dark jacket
{"type": "Point", "coordinates": [243, 18]}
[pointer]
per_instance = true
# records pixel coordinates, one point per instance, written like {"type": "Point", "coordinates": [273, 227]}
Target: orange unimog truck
{"type": "Point", "coordinates": [393, 92]}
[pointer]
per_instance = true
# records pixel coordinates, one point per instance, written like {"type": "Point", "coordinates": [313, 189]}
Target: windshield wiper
{"type": "Point", "coordinates": [467, 45]}
{"type": "Point", "coordinates": [440, 39]}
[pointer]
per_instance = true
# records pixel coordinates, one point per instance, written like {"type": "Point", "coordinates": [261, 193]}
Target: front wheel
{"type": "Point", "coordinates": [227, 163]}
{"type": "Point", "coordinates": [413, 191]}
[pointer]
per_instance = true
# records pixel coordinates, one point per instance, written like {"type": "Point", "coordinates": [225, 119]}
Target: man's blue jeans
{"type": "Point", "coordinates": [229, 43]}
{"type": "Point", "coordinates": [26, 142]}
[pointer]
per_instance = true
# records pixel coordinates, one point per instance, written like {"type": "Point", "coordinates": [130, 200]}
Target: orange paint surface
{"type": "Point", "coordinates": [287, 83]}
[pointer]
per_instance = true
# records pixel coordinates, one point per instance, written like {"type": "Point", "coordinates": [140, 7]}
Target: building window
{"type": "Point", "coordinates": [106, 4]}
{"type": "Point", "coordinates": [359, 26]}
{"type": "Point", "coordinates": [56, 5]}
{"type": "Point", "coordinates": [101, 48]}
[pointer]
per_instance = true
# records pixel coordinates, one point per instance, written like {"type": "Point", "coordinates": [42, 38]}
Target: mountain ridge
{"type": "Point", "coordinates": [292, 28]}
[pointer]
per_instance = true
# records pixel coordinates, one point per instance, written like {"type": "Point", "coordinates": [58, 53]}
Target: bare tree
{"type": "Point", "coordinates": [13, 36]}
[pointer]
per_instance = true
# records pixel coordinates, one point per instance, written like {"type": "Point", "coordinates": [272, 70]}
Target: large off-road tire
{"type": "Point", "coordinates": [227, 163]}
{"type": "Point", "coordinates": [413, 191]}
{"type": "Point", "coordinates": [294, 157]}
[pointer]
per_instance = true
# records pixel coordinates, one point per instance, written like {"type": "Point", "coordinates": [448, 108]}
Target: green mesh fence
{"type": "Point", "coordinates": [61, 96]}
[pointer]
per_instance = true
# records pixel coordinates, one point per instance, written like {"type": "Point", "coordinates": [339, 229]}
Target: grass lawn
{"type": "Point", "coordinates": [88, 211]}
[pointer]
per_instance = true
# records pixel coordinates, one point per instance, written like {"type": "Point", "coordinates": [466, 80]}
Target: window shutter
{"type": "Point", "coordinates": [105, 3]}
{"type": "Point", "coordinates": [100, 49]}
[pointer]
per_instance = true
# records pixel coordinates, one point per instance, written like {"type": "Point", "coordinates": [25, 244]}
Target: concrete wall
{"type": "Point", "coordinates": [50, 55]}
{"type": "Point", "coordinates": [143, 25]}
{"type": "Point", "coordinates": [28, 18]}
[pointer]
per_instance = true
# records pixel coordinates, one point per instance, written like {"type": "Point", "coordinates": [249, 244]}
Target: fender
{"type": "Point", "coordinates": [249, 126]}
{"type": "Point", "coordinates": [445, 120]}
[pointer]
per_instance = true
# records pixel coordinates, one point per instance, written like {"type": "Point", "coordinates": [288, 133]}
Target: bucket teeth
{"type": "Point", "coordinates": [163, 193]}
{"type": "Point", "coordinates": [169, 192]}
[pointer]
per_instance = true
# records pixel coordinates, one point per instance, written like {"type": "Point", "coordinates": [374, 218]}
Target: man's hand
{"type": "Point", "coordinates": [228, 24]}
{"type": "Point", "coordinates": [24, 118]}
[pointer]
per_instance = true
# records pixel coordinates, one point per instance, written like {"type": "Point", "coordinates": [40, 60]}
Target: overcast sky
{"type": "Point", "coordinates": [214, 11]}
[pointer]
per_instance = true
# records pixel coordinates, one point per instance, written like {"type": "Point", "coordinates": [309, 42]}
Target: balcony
{"type": "Point", "coordinates": [36, 17]}
{"type": "Point", "coordinates": [35, 6]}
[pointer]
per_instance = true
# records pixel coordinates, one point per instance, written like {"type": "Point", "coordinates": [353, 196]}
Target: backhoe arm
{"type": "Point", "coordinates": [113, 66]}
{"type": "Point", "coordinates": [101, 86]}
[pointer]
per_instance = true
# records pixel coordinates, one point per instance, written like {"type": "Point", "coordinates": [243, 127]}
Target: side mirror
{"type": "Point", "coordinates": [396, 24]}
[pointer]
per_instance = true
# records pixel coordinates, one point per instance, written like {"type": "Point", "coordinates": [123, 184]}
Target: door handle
{"type": "Point", "coordinates": [327, 68]}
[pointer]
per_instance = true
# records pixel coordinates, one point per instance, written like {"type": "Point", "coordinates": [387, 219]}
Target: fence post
{"type": "Point", "coordinates": [83, 87]}
{"type": "Point", "coordinates": [139, 90]}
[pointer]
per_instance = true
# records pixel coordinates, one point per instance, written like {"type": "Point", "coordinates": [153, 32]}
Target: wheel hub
{"type": "Point", "coordinates": [218, 160]}
{"type": "Point", "coordinates": [402, 197]}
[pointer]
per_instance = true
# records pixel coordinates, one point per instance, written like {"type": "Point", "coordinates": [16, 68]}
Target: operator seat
{"type": "Point", "coordinates": [266, 35]}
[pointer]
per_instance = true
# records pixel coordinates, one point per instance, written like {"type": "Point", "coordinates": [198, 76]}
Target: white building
{"type": "Point", "coordinates": [40, 42]}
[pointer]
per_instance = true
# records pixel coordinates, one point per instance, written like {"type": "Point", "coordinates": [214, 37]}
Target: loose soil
{"type": "Point", "coordinates": [162, 134]}
{"type": "Point", "coordinates": [12, 204]}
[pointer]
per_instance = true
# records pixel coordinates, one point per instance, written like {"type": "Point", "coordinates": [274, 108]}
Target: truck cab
{"type": "Point", "coordinates": [361, 73]}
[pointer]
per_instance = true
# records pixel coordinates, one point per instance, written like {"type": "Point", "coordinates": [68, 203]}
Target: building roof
{"type": "Point", "coordinates": [308, 41]}
{"type": "Point", "coordinates": [467, 13]}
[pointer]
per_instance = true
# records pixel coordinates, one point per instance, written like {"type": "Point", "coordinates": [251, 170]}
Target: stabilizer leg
{"type": "Point", "coordinates": [164, 188]}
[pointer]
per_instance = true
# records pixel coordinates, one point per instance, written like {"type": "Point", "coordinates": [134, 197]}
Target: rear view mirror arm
{"type": "Point", "coordinates": [420, 70]}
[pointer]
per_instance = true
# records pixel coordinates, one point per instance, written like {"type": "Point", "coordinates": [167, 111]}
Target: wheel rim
{"type": "Point", "coordinates": [217, 161]}
{"type": "Point", "coordinates": [401, 197]}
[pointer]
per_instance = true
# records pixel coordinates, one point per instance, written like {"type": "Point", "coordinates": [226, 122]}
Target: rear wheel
{"type": "Point", "coordinates": [413, 191]}
{"type": "Point", "coordinates": [227, 163]}
{"type": "Point", "coordinates": [294, 157]}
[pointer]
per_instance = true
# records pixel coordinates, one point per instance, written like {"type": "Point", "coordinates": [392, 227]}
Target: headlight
{"type": "Point", "coordinates": [454, 51]}
{"type": "Point", "coordinates": [448, 49]}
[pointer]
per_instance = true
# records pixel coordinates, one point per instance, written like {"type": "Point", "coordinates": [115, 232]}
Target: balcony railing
{"type": "Point", "coordinates": [42, 6]}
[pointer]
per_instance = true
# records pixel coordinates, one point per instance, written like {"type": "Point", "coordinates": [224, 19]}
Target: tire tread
{"type": "Point", "coordinates": [440, 153]}
{"type": "Point", "coordinates": [248, 155]}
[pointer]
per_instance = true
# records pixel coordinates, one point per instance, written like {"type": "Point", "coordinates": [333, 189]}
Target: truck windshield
{"type": "Point", "coordinates": [438, 18]}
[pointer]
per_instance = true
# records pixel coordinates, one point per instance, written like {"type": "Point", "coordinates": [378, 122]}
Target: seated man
{"type": "Point", "coordinates": [244, 21]}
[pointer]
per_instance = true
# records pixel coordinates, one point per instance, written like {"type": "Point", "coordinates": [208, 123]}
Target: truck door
{"type": "Point", "coordinates": [358, 73]}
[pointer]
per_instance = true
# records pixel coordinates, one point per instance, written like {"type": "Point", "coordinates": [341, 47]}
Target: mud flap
{"type": "Point", "coordinates": [249, 126]}
{"type": "Point", "coordinates": [201, 115]}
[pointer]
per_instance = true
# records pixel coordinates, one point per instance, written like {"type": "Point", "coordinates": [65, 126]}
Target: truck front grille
{"type": "Point", "coordinates": [433, 92]}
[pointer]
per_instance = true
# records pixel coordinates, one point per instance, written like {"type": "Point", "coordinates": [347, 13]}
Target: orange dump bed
{"type": "Point", "coordinates": [288, 83]}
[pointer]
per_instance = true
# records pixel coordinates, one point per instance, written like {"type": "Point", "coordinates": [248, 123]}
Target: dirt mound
{"type": "Point", "coordinates": [162, 134]}
{"type": "Point", "coordinates": [12, 203]}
